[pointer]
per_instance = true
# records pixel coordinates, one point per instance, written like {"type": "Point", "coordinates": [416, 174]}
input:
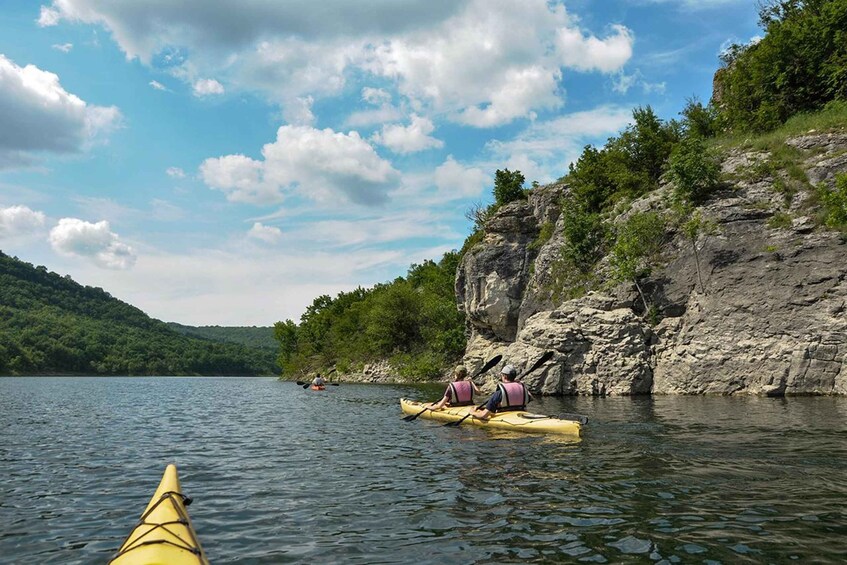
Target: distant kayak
{"type": "Point", "coordinates": [518, 421]}
{"type": "Point", "coordinates": [164, 534]}
{"type": "Point", "coordinates": [318, 387]}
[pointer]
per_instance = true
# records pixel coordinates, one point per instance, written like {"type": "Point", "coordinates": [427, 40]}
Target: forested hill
{"type": "Point", "coordinates": [50, 324]}
{"type": "Point", "coordinates": [261, 337]}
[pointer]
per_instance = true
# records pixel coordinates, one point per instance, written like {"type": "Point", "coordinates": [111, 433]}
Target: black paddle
{"type": "Point", "coordinates": [491, 362]}
{"type": "Point", "coordinates": [543, 359]}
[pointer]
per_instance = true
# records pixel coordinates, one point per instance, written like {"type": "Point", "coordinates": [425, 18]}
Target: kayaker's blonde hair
{"type": "Point", "coordinates": [460, 373]}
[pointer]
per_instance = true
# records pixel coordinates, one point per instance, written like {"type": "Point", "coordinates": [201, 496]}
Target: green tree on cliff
{"type": "Point", "coordinates": [638, 240]}
{"type": "Point", "coordinates": [508, 186]}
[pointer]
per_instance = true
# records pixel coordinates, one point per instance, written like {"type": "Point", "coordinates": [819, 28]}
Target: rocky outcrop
{"type": "Point", "coordinates": [768, 319]}
{"type": "Point", "coordinates": [493, 275]}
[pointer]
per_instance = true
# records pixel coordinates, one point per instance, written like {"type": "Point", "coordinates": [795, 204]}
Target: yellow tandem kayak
{"type": "Point", "coordinates": [518, 421]}
{"type": "Point", "coordinates": [163, 535]}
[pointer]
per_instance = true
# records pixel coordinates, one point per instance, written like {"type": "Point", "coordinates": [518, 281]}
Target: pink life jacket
{"type": "Point", "coordinates": [513, 396]}
{"type": "Point", "coordinates": [461, 393]}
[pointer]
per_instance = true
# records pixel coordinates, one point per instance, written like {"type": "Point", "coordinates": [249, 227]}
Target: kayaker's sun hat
{"type": "Point", "coordinates": [508, 370]}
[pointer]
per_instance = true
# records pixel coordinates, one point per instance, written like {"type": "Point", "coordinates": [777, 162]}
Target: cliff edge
{"type": "Point", "coordinates": [758, 309]}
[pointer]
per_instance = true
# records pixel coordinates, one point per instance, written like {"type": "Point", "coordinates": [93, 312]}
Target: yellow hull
{"type": "Point", "coordinates": [164, 535]}
{"type": "Point", "coordinates": [517, 421]}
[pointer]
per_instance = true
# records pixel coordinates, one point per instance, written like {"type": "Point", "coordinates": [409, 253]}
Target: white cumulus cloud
{"type": "Point", "coordinates": [478, 62]}
{"type": "Point", "coordinates": [19, 220]}
{"type": "Point", "coordinates": [268, 234]}
{"type": "Point", "coordinates": [38, 115]}
{"type": "Point", "coordinates": [583, 53]}
{"type": "Point", "coordinates": [49, 17]}
{"type": "Point", "coordinates": [460, 181]}
{"type": "Point", "coordinates": [207, 87]}
{"type": "Point", "coordinates": [409, 139]}
{"type": "Point", "coordinates": [319, 164]}
{"type": "Point", "coordinates": [96, 242]}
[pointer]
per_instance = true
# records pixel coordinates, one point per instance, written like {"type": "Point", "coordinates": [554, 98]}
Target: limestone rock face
{"type": "Point", "coordinates": [492, 276]}
{"type": "Point", "coordinates": [600, 348]}
{"type": "Point", "coordinates": [772, 321]}
{"type": "Point", "coordinates": [768, 318]}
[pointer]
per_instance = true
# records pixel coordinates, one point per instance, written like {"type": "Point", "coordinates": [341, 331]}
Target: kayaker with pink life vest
{"type": "Point", "coordinates": [510, 395]}
{"type": "Point", "coordinates": [460, 392]}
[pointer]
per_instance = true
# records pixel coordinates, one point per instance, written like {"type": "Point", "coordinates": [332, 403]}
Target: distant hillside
{"type": "Point", "coordinates": [50, 324]}
{"type": "Point", "coordinates": [261, 337]}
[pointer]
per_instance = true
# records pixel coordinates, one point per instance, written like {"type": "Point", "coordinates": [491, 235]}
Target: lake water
{"type": "Point", "coordinates": [283, 475]}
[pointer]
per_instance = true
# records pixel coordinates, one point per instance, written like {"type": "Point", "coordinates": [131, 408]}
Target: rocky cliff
{"type": "Point", "coordinates": [769, 318]}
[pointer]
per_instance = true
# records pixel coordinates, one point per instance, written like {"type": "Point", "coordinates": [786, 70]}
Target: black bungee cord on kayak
{"type": "Point", "coordinates": [183, 520]}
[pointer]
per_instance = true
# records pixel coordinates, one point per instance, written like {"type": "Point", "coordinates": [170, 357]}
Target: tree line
{"type": "Point", "coordinates": [412, 321]}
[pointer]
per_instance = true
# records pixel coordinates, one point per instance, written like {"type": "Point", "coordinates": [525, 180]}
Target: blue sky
{"type": "Point", "coordinates": [224, 162]}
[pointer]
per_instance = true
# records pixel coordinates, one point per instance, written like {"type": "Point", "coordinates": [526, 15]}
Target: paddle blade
{"type": "Point", "coordinates": [541, 360]}
{"type": "Point", "coordinates": [305, 386]}
{"type": "Point", "coordinates": [491, 362]}
{"type": "Point", "coordinates": [575, 417]}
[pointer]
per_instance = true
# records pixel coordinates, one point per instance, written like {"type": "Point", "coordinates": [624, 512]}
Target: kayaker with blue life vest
{"type": "Point", "coordinates": [460, 392]}
{"type": "Point", "coordinates": [510, 395]}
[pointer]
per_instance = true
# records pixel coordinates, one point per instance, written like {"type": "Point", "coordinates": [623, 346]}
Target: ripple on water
{"type": "Point", "coordinates": [283, 475]}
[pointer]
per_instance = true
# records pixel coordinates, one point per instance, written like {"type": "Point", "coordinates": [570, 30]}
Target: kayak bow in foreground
{"type": "Point", "coordinates": [164, 534]}
{"type": "Point", "coordinates": [516, 420]}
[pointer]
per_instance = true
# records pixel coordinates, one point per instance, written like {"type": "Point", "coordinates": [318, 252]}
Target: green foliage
{"type": "Point", "coordinates": [475, 237]}
{"type": "Point", "coordinates": [51, 325]}
{"type": "Point", "coordinates": [834, 203]}
{"type": "Point", "coordinates": [799, 66]}
{"type": "Point", "coordinates": [694, 170]}
{"type": "Point", "coordinates": [251, 336]}
{"type": "Point", "coordinates": [648, 143]}
{"type": "Point", "coordinates": [584, 233]}
{"type": "Point", "coordinates": [698, 120]}
{"type": "Point", "coordinates": [412, 321]}
{"type": "Point", "coordinates": [638, 240]}
{"type": "Point", "coordinates": [627, 167]}
{"type": "Point", "coordinates": [427, 365]}
{"type": "Point", "coordinates": [394, 318]}
{"type": "Point", "coordinates": [780, 220]}
{"type": "Point", "coordinates": [286, 334]}
{"type": "Point", "coordinates": [544, 235]}
{"type": "Point", "coordinates": [508, 186]}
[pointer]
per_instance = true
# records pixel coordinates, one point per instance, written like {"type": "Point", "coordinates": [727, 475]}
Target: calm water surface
{"type": "Point", "coordinates": [283, 475]}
